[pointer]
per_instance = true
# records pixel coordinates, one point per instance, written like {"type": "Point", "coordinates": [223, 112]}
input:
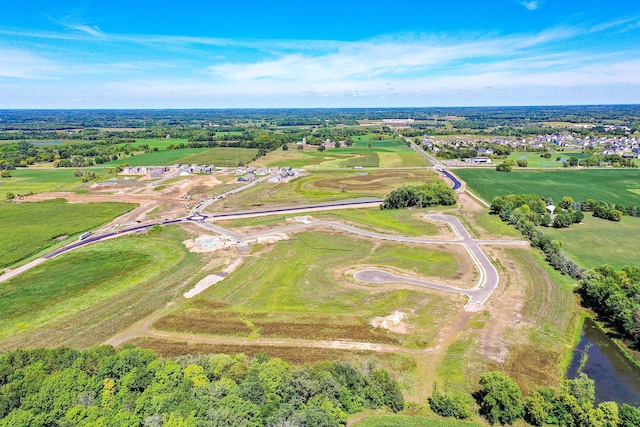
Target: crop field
{"type": "Point", "coordinates": [38, 180]}
{"type": "Point", "coordinates": [49, 223]}
{"type": "Point", "coordinates": [219, 156]}
{"type": "Point", "coordinates": [597, 242]}
{"type": "Point", "coordinates": [620, 186]}
{"type": "Point", "coordinates": [307, 297]}
{"type": "Point", "coordinates": [82, 298]}
{"type": "Point", "coordinates": [222, 157]}
{"type": "Point", "coordinates": [321, 186]}
{"type": "Point", "coordinates": [535, 161]}
{"type": "Point", "coordinates": [382, 153]}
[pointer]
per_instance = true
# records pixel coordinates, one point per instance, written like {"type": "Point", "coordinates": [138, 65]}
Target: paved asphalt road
{"type": "Point", "coordinates": [487, 282]}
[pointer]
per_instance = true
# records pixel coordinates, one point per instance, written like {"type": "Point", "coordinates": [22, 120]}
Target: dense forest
{"type": "Point", "coordinates": [133, 387]}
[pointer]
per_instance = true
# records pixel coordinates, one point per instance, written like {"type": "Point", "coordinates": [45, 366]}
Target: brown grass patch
{"type": "Point", "coordinates": [321, 330]}
{"type": "Point", "coordinates": [530, 365]}
{"type": "Point", "coordinates": [293, 355]}
{"type": "Point", "coordinates": [205, 322]}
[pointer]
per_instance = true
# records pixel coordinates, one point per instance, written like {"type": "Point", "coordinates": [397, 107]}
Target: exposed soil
{"type": "Point", "coordinates": [505, 312]}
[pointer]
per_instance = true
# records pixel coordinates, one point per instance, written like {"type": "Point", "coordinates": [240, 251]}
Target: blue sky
{"type": "Point", "coordinates": [247, 53]}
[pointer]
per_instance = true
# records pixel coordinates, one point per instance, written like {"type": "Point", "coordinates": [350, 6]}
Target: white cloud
{"type": "Point", "coordinates": [531, 4]}
{"type": "Point", "coordinates": [102, 69]}
{"type": "Point", "coordinates": [94, 31]}
{"type": "Point", "coordinates": [24, 65]}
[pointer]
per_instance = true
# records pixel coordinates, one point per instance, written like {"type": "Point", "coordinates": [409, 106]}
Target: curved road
{"type": "Point", "coordinates": [487, 281]}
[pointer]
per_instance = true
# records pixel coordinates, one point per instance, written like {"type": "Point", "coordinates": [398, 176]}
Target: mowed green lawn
{"type": "Point", "coordinates": [596, 241]}
{"type": "Point", "coordinates": [77, 280]}
{"type": "Point", "coordinates": [620, 186]}
{"type": "Point", "coordinates": [29, 228]}
{"type": "Point", "coordinates": [535, 161]}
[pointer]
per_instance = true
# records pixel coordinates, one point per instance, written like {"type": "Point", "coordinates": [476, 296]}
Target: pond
{"type": "Point", "coordinates": [616, 378]}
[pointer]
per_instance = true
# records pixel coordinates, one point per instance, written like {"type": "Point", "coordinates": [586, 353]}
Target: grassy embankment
{"type": "Point", "coordinates": [537, 345]}
{"type": "Point", "coordinates": [35, 227]}
{"type": "Point", "coordinates": [83, 297]}
{"type": "Point", "coordinates": [391, 153]}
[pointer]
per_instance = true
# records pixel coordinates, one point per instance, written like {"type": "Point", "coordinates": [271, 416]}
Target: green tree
{"type": "Point", "coordinates": [5, 173]}
{"type": "Point", "coordinates": [629, 416]}
{"type": "Point", "coordinates": [562, 220]}
{"type": "Point", "coordinates": [504, 167]}
{"type": "Point", "coordinates": [567, 202]}
{"type": "Point", "coordinates": [500, 398]}
{"type": "Point", "coordinates": [454, 405]}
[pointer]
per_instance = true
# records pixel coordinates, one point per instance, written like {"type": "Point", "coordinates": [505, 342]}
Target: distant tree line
{"type": "Point", "coordinates": [133, 387]}
{"type": "Point", "coordinates": [420, 196]}
{"type": "Point", "coordinates": [501, 402]}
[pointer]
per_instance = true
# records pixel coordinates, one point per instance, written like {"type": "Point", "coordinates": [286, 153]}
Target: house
{"type": "Point", "coordinates": [247, 178]}
{"type": "Point", "coordinates": [481, 160]}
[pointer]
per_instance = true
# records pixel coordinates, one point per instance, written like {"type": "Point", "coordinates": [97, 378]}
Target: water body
{"type": "Point", "coordinates": [615, 377]}
{"type": "Point", "coordinates": [46, 143]}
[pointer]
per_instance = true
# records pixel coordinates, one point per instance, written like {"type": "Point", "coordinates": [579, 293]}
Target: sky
{"type": "Point", "coordinates": [329, 53]}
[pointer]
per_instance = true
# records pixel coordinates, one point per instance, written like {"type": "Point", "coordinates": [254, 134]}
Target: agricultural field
{"type": "Point", "coordinates": [310, 294]}
{"type": "Point", "coordinates": [535, 161]}
{"type": "Point", "coordinates": [382, 153]}
{"type": "Point", "coordinates": [40, 225]}
{"type": "Point", "coordinates": [620, 186]}
{"type": "Point", "coordinates": [597, 242]}
{"type": "Point", "coordinates": [39, 180]}
{"type": "Point", "coordinates": [322, 186]}
{"type": "Point", "coordinates": [219, 156]}
{"type": "Point", "coordinates": [83, 297]}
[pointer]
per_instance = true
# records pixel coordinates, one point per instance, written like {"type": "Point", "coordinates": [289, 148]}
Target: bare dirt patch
{"type": "Point", "coordinates": [393, 322]}
{"type": "Point", "coordinates": [504, 311]}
